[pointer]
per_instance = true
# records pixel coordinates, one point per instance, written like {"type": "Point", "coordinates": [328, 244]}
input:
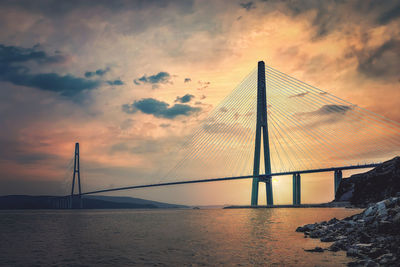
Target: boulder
{"type": "Point", "coordinates": [385, 259]}
{"type": "Point", "coordinates": [354, 252]}
{"type": "Point", "coordinates": [381, 208]}
{"type": "Point", "coordinates": [369, 211]}
{"type": "Point", "coordinates": [328, 239]}
{"type": "Point", "coordinates": [396, 219]}
{"type": "Point", "coordinates": [316, 249]}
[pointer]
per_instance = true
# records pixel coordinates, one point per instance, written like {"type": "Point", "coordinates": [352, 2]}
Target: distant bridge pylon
{"type": "Point", "coordinates": [76, 177]}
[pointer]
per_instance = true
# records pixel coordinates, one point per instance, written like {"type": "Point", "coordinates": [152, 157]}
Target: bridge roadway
{"type": "Point", "coordinates": [262, 177]}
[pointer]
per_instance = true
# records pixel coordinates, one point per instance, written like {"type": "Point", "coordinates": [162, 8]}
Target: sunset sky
{"type": "Point", "coordinates": [131, 80]}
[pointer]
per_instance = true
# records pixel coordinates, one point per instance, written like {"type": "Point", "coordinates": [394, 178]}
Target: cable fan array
{"type": "Point", "coordinates": [308, 129]}
{"type": "Point", "coordinates": [222, 145]}
{"type": "Point", "coordinates": [313, 129]}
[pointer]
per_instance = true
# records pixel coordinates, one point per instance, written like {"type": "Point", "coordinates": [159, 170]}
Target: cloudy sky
{"type": "Point", "coordinates": [130, 80]}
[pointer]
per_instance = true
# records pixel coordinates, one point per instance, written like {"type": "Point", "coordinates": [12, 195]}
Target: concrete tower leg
{"type": "Point", "coordinates": [261, 128]}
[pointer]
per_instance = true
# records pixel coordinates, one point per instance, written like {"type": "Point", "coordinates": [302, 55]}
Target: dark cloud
{"type": "Point", "coordinates": [53, 8]}
{"type": "Point", "coordinates": [32, 158]}
{"type": "Point", "coordinates": [331, 15]}
{"type": "Point", "coordinates": [116, 82]}
{"type": "Point", "coordinates": [19, 152]}
{"type": "Point", "coordinates": [187, 80]}
{"type": "Point", "coordinates": [66, 85]}
{"type": "Point", "coordinates": [389, 15]}
{"type": "Point", "coordinates": [331, 109]}
{"type": "Point", "coordinates": [382, 61]}
{"type": "Point", "coordinates": [299, 95]}
{"type": "Point", "coordinates": [184, 99]}
{"type": "Point", "coordinates": [324, 19]}
{"type": "Point", "coordinates": [325, 115]}
{"type": "Point", "coordinates": [325, 110]}
{"type": "Point", "coordinates": [11, 70]}
{"type": "Point", "coordinates": [161, 77]}
{"type": "Point", "coordinates": [159, 109]}
{"type": "Point", "coordinates": [15, 54]}
{"type": "Point", "coordinates": [248, 5]}
{"type": "Point", "coordinates": [99, 72]}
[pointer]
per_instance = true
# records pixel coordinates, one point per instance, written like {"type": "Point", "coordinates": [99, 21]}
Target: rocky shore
{"type": "Point", "coordinates": [372, 237]}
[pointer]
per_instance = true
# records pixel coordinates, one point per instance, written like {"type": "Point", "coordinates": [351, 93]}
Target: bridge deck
{"type": "Point", "coordinates": [235, 178]}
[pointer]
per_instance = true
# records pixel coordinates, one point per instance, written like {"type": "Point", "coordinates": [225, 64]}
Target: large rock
{"type": "Point", "coordinates": [381, 208]}
{"type": "Point", "coordinates": [375, 185]}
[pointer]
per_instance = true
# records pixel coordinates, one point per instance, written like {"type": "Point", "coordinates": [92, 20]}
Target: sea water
{"type": "Point", "coordinates": [180, 237]}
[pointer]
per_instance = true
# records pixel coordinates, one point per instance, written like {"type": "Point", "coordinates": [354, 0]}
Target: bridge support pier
{"type": "Point", "coordinates": [294, 184]}
{"type": "Point", "coordinates": [337, 179]}
{"type": "Point", "coordinates": [70, 202]}
{"type": "Point", "coordinates": [268, 188]}
{"type": "Point", "coordinates": [261, 129]}
{"type": "Point", "coordinates": [296, 189]}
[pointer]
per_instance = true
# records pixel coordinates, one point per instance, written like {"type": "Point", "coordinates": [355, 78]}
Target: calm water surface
{"type": "Point", "coordinates": [235, 237]}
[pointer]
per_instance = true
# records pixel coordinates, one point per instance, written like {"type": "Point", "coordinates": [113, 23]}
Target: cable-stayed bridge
{"type": "Point", "coordinates": [273, 125]}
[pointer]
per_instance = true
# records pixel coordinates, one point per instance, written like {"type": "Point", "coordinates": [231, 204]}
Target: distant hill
{"type": "Point", "coordinates": [88, 202]}
{"type": "Point", "coordinates": [375, 185]}
{"type": "Point", "coordinates": [136, 201]}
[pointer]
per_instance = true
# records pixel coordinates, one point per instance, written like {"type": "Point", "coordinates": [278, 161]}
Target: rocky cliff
{"type": "Point", "coordinates": [380, 183]}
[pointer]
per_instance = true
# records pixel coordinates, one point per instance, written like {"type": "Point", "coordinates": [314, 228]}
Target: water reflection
{"type": "Point", "coordinates": [164, 237]}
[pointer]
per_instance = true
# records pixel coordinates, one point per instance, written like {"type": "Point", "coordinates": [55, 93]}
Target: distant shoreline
{"type": "Point", "coordinates": [27, 202]}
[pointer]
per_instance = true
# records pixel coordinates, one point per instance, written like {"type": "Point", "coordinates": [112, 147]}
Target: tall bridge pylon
{"type": "Point", "coordinates": [261, 129]}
